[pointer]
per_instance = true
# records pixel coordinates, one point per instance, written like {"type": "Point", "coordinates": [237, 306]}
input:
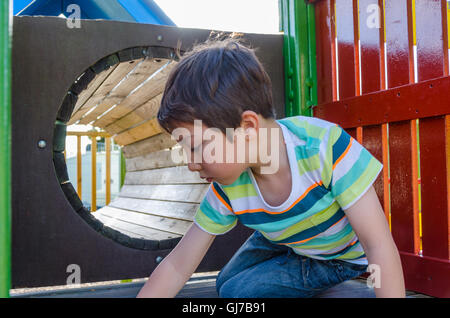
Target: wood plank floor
{"type": "Point", "coordinates": [199, 286]}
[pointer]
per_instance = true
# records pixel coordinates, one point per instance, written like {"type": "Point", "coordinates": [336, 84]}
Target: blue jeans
{"type": "Point", "coordinates": [263, 269]}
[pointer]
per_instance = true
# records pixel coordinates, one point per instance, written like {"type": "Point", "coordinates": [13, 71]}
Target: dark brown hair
{"type": "Point", "coordinates": [215, 82]}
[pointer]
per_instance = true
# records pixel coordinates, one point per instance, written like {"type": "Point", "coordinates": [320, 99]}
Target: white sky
{"type": "Point", "coordinates": [251, 16]}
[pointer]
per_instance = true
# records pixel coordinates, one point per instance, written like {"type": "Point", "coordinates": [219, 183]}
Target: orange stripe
{"type": "Point", "coordinates": [221, 199]}
{"type": "Point", "coordinates": [310, 238]}
{"type": "Point", "coordinates": [344, 153]}
{"type": "Point", "coordinates": [296, 201]}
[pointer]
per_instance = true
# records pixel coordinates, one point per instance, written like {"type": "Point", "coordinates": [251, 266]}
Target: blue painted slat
{"type": "Point", "coordinates": [143, 11]}
{"type": "Point", "coordinates": [42, 7]}
{"type": "Point", "coordinates": [19, 5]}
{"type": "Point", "coordinates": [146, 11]}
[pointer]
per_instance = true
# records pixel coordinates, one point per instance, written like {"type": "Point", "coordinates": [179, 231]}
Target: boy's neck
{"type": "Point", "coordinates": [283, 161]}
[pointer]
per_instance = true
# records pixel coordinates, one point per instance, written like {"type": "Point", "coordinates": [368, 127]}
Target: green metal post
{"type": "Point", "coordinates": [5, 146]}
{"type": "Point", "coordinates": [297, 21]}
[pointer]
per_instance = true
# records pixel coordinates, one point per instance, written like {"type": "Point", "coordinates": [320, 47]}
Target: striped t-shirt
{"type": "Point", "coordinates": [332, 172]}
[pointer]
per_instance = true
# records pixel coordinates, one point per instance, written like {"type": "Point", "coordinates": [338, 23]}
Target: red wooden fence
{"type": "Point", "coordinates": [382, 68]}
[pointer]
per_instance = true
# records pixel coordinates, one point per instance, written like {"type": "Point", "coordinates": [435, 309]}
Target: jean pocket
{"type": "Point", "coordinates": [319, 275]}
{"type": "Point", "coordinates": [351, 270]}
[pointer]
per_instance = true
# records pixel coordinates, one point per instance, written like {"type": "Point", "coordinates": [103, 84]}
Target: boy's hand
{"type": "Point", "coordinates": [368, 221]}
{"type": "Point", "coordinates": [177, 267]}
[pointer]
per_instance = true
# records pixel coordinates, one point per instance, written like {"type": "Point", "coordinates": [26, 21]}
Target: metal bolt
{"type": "Point", "coordinates": [158, 259]}
{"type": "Point", "coordinates": [42, 144]}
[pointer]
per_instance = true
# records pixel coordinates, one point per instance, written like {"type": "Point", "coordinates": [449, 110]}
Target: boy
{"type": "Point", "coordinates": [317, 218]}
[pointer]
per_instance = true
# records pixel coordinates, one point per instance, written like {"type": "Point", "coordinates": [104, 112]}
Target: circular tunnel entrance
{"type": "Point", "coordinates": [121, 94]}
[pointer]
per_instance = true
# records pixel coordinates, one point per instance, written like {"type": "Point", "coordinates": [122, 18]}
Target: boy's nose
{"type": "Point", "coordinates": [194, 166]}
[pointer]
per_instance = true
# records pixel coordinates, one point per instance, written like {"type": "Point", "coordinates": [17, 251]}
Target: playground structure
{"type": "Point", "coordinates": [328, 63]}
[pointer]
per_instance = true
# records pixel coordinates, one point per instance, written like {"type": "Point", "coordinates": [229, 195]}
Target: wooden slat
{"type": "Point", "coordinates": [139, 115]}
{"type": "Point", "coordinates": [94, 174]}
{"type": "Point", "coordinates": [167, 225]}
{"type": "Point", "coordinates": [434, 152]}
{"type": "Point", "coordinates": [430, 39]}
{"type": "Point", "coordinates": [399, 45]}
{"type": "Point", "coordinates": [371, 39]}
{"type": "Point", "coordinates": [87, 93]}
{"type": "Point", "coordinates": [386, 176]}
{"type": "Point", "coordinates": [145, 130]}
{"type": "Point", "coordinates": [346, 49]}
{"type": "Point", "coordinates": [404, 217]}
{"type": "Point", "coordinates": [426, 274]}
{"type": "Point", "coordinates": [148, 145]}
{"type": "Point", "coordinates": [123, 82]}
{"type": "Point", "coordinates": [190, 193]}
{"type": "Point", "coordinates": [351, 132]}
{"type": "Point", "coordinates": [147, 91]}
{"type": "Point", "coordinates": [158, 159]}
{"type": "Point", "coordinates": [172, 175]}
{"type": "Point", "coordinates": [88, 133]}
{"type": "Point", "coordinates": [403, 149]}
{"type": "Point", "coordinates": [326, 51]}
{"type": "Point", "coordinates": [178, 210]}
{"type": "Point", "coordinates": [111, 82]}
{"type": "Point", "coordinates": [371, 36]}
{"type": "Point", "coordinates": [431, 55]}
{"type": "Point", "coordinates": [133, 230]}
{"type": "Point", "coordinates": [409, 101]}
{"type": "Point", "coordinates": [372, 141]}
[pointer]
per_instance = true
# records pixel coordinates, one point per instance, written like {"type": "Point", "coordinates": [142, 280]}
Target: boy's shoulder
{"type": "Point", "coordinates": [304, 127]}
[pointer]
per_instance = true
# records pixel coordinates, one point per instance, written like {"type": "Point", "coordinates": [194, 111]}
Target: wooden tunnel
{"type": "Point", "coordinates": [112, 75]}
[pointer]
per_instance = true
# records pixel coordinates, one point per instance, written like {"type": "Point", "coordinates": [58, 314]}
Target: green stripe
{"type": "Point", "coordinates": [361, 184]}
{"type": "Point", "coordinates": [209, 225]}
{"type": "Point", "coordinates": [312, 130]}
{"type": "Point", "coordinates": [327, 171]}
{"type": "Point", "coordinates": [306, 165]}
{"type": "Point", "coordinates": [351, 254]}
{"type": "Point", "coordinates": [307, 223]}
{"type": "Point", "coordinates": [241, 191]}
{"type": "Point", "coordinates": [332, 241]}
{"type": "Point", "coordinates": [244, 178]}
{"type": "Point", "coordinates": [215, 215]}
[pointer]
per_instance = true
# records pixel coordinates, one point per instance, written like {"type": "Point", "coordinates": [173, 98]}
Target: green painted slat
{"type": "Point", "coordinates": [297, 20]}
{"type": "Point", "coordinates": [5, 146]}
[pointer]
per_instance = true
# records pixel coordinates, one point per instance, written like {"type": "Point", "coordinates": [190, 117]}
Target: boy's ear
{"type": "Point", "coordinates": [249, 121]}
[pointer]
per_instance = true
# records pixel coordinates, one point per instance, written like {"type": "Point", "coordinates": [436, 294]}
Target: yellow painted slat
{"type": "Point", "coordinates": [94, 175]}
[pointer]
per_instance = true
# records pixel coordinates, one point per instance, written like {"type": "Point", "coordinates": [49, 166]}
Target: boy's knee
{"type": "Point", "coordinates": [225, 285]}
{"type": "Point", "coordinates": [219, 283]}
{"type": "Point", "coordinates": [226, 289]}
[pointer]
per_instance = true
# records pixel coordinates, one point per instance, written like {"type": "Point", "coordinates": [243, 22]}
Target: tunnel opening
{"type": "Point", "coordinates": [121, 94]}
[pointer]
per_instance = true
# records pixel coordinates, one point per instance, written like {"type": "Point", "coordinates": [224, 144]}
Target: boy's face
{"type": "Point", "coordinates": [210, 153]}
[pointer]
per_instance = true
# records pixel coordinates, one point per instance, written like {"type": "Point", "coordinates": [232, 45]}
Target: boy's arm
{"type": "Point", "coordinates": [368, 221]}
{"type": "Point", "coordinates": [176, 268]}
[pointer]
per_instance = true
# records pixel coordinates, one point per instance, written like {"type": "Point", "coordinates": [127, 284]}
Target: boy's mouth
{"type": "Point", "coordinates": [208, 179]}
